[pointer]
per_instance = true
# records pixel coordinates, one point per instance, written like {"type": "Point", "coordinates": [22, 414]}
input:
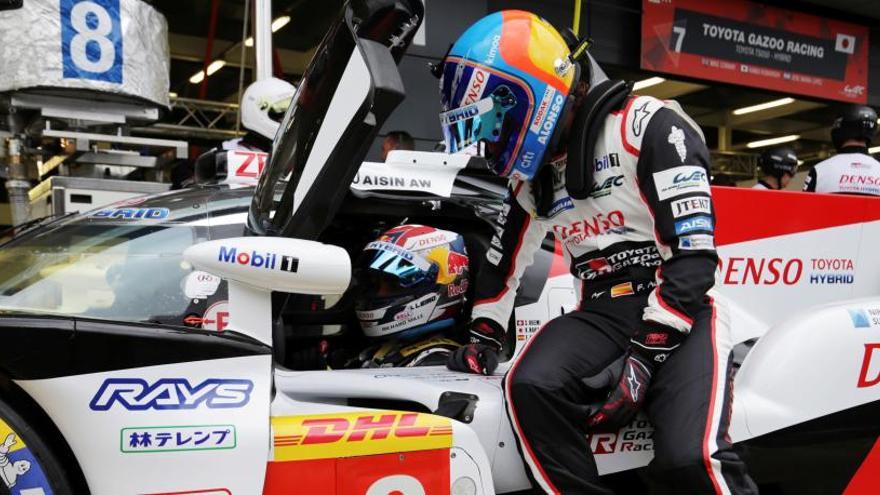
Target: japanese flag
{"type": "Point", "coordinates": [845, 43]}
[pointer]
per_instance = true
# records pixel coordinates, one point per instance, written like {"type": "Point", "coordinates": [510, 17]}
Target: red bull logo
{"type": "Point", "coordinates": [456, 263]}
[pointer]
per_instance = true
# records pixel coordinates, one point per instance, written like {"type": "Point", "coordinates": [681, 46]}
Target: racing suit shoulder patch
{"type": "Point", "coordinates": [634, 121]}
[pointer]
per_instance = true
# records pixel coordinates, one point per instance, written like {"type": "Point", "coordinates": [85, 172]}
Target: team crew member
{"type": "Point", "coordinates": [262, 108]}
{"type": "Point", "coordinates": [852, 170]}
{"type": "Point", "coordinates": [397, 140]}
{"type": "Point", "coordinates": [622, 183]}
{"type": "Point", "coordinates": [778, 165]}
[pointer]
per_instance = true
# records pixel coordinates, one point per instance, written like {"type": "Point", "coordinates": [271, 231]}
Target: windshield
{"type": "Point", "coordinates": [122, 262]}
{"type": "Point", "coordinates": [130, 273]}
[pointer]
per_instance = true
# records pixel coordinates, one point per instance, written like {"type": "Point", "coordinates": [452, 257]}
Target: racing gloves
{"type": "Point", "coordinates": [629, 377]}
{"type": "Point", "coordinates": [480, 356]}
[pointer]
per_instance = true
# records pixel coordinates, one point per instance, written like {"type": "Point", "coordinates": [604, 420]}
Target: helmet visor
{"type": "Point", "coordinates": [407, 268]}
{"type": "Point", "coordinates": [277, 109]}
{"type": "Point", "coordinates": [480, 121]}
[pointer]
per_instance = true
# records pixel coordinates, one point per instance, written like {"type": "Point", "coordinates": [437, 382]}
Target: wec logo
{"type": "Point", "coordinates": [135, 394]}
{"type": "Point", "coordinates": [694, 177]}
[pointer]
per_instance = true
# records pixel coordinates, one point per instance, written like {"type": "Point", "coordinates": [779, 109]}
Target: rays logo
{"type": "Point", "coordinates": [135, 394]}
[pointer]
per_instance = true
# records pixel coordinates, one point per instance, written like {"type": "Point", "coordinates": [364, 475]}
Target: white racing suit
{"type": "Point", "coordinates": [642, 247]}
{"type": "Point", "coordinates": [852, 171]}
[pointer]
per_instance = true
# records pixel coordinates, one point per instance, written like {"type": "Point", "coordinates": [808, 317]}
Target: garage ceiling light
{"type": "Point", "coordinates": [875, 149]}
{"type": "Point", "coordinates": [212, 68]}
{"type": "Point", "coordinates": [647, 83]}
{"type": "Point", "coordinates": [276, 25]}
{"type": "Point", "coordinates": [763, 106]}
{"type": "Point", "coordinates": [215, 66]}
{"type": "Point", "coordinates": [769, 142]}
{"type": "Point", "coordinates": [280, 22]}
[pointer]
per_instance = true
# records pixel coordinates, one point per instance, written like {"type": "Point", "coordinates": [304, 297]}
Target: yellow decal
{"type": "Point", "coordinates": [6, 432]}
{"type": "Point", "coordinates": [327, 436]}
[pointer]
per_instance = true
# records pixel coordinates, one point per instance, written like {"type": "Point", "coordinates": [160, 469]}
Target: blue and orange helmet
{"type": "Point", "coordinates": [505, 83]}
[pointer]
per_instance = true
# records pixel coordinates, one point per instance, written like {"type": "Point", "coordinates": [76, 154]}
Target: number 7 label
{"type": "Point", "coordinates": [91, 40]}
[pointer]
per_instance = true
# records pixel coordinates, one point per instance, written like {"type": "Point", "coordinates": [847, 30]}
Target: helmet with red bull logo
{"type": "Point", "coordinates": [412, 280]}
{"type": "Point", "coordinates": [505, 83]}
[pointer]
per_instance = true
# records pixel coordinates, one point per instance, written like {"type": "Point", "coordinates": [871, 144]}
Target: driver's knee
{"type": "Point", "coordinates": [681, 473]}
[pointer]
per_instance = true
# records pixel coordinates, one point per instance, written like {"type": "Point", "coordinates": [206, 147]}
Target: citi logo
{"type": "Point", "coordinates": [135, 394]}
{"type": "Point", "coordinates": [254, 259]}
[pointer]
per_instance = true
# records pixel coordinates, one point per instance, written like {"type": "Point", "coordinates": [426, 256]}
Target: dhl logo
{"type": "Point", "coordinates": [355, 434]}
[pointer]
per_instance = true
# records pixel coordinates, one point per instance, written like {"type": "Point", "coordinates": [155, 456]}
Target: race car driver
{"type": "Point", "coordinates": [621, 182]}
{"type": "Point", "coordinates": [778, 165]}
{"type": "Point", "coordinates": [411, 284]}
{"type": "Point", "coordinates": [852, 170]}
{"type": "Point", "coordinates": [262, 107]}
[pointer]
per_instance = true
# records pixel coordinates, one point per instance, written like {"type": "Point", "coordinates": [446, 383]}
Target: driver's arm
{"type": "Point", "coordinates": [518, 236]}
{"type": "Point", "coordinates": [671, 161]}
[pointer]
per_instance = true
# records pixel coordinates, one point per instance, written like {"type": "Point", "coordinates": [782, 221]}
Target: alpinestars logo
{"type": "Point", "coordinates": [135, 394]}
{"type": "Point", "coordinates": [639, 115]}
{"type": "Point", "coordinates": [633, 382]}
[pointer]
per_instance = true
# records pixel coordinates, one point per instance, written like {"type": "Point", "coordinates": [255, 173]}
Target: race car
{"type": "Point", "coordinates": [146, 345]}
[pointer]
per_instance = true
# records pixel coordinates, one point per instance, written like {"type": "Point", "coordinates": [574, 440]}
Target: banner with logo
{"type": "Point", "coordinates": [743, 42]}
{"type": "Point", "coordinates": [119, 47]}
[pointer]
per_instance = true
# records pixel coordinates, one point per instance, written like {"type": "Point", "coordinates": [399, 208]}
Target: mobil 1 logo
{"type": "Point", "coordinates": [692, 205]}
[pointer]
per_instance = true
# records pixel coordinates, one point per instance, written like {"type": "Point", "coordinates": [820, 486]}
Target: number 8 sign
{"type": "Point", "coordinates": [91, 40]}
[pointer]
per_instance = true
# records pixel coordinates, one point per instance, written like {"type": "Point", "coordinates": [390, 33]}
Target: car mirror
{"type": "Point", "coordinates": [275, 264]}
